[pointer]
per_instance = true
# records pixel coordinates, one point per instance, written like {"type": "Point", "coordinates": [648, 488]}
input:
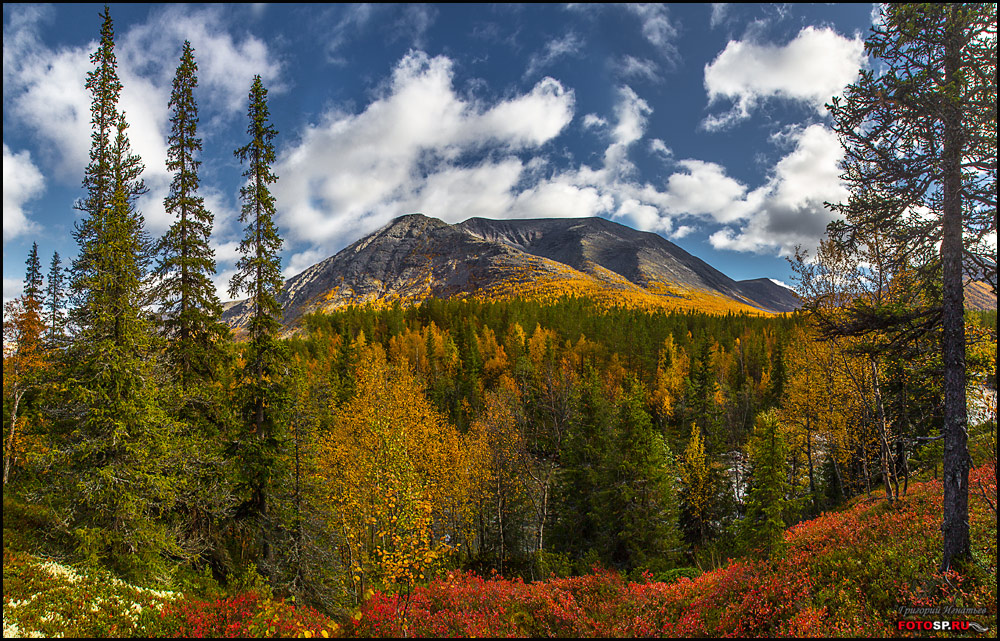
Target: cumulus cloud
{"type": "Point", "coordinates": [703, 189]}
{"type": "Point", "coordinates": [45, 92]}
{"type": "Point", "coordinates": [351, 173]}
{"type": "Point", "coordinates": [810, 69]}
{"type": "Point", "coordinates": [788, 210]}
{"type": "Point", "coordinates": [21, 182]}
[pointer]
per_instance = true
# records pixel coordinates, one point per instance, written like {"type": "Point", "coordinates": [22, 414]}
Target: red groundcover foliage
{"type": "Point", "coordinates": [842, 574]}
{"type": "Point", "coordinates": [243, 616]}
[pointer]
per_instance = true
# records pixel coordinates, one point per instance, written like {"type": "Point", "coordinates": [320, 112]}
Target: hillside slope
{"type": "Point", "coordinates": [845, 573]}
{"type": "Point", "coordinates": [842, 574]}
{"type": "Point", "coordinates": [417, 257]}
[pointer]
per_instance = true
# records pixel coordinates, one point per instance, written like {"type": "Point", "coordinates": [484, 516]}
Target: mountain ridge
{"type": "Point", "coordinates": [415, 257]}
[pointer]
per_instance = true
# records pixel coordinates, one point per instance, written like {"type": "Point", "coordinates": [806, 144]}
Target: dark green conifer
{"type": "Point", "coordinates": [767, 501]}
{"type": "Point", "coordinates": [55, 297]}
{"type": "Point", "coordinates": [117, 464]}
{"type": "Point", "coordinates": [261, 392]}
{"type": "Point", "coordinates": [33, 280]}
{"type": "Point", "coordinates": [190, 307]}
{"type": "Point", "coordinates": [638, 492]}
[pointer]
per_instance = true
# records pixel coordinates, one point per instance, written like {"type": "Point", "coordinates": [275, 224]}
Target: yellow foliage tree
{"type": "Point", "coordinates": [395, 474]}
{"type": "Point", "coordinates": [671, 370]}
{"type": "Point", "coordinates": [495, 451]}
{"type": "Point", "coordinates": [696, 493]}
{"type": "Point", "coordinates": [23, 362]}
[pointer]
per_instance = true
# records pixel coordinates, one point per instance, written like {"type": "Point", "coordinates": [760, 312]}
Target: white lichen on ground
{"type": "Point", "coordinates": [48, 599]}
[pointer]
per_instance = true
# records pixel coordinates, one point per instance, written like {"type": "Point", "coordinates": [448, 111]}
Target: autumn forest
{"type": "Point", "coordinates": [527, 466]}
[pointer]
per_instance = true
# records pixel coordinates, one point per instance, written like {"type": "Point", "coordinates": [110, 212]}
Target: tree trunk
{"type": "Point", "coordinates": [955, 472]}
{"type": "Point", "coordinates": [9, 454]}
{"type": "Point", "coordinates": [885, 455]}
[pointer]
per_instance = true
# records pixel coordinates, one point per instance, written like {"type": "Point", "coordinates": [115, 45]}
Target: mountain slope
{"type": "Point", "coordinates": [416, 257]}
{"type": "Point", "coordinates": [770, 294]}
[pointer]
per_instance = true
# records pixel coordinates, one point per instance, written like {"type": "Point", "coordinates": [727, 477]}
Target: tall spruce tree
{"type": "Point", "coordinates": [117, 467]}
{"type": "Point", "coordinates": [767, 502]}
{"type": "Point", "coordinates": [55, 300]}
{"type": "Point", "coordinates": [261, 392]}
{"type": "Point", "coordinates": [33, 281]}
{"type": "Point", "coordinates": [920, 138]}
{"type": "Point", "coordinates": [190, 307]}
{"type": "Point", "coordinates": [196, 345]}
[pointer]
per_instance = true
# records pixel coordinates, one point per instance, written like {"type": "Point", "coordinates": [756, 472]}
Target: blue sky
{"type": "Point", "coordinates": [703, 123]}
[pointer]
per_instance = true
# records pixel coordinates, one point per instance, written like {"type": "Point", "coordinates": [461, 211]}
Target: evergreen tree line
{"type": "Point", "coordinates": [135, 386]}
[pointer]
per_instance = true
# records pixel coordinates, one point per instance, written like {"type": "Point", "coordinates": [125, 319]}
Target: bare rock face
{"type": "Point", "coordinates": [417, 257]}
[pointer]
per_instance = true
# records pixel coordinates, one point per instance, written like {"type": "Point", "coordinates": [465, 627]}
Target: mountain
{"type": "Point", "coordinates": [770, 294]}
{"type": "Point", "coordinates": [416, 257]}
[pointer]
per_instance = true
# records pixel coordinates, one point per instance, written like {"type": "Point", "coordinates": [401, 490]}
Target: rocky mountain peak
{"type": "Point", "coordinates": [415, 257]}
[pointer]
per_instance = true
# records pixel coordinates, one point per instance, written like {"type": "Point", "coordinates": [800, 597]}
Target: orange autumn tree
{"type": "Point", "coordinates": [394, 474]}
{"type": "Point", "coordinates": [23, 356]}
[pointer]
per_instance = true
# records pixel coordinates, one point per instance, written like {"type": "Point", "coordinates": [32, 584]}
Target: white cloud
{"type": "Point", "coordinates": [226, 65]}
{"type": "Point", "coordinates": [719, 10]}
{"type": "Point", "coordinates": [781, 283]}
{"type": "Point", "coordinates": [568, 45]}
{"type": "Point", "coordinates": [343, 25]}
{"type": "Point", "coordinates": [704, 189]}
{"type": "Point", "coordinates": [642, 216]}
{"type": "Point", "coordinates": [21, 182]}
{"type": "Point", "coordinates": [352, 173]}
{"type": "Point", "coordinates": [631, 111]}
{"type": "Point", "coordinates": [658, 28]}
{"type": "Point", "coordinates": [788, 210]}
{"type": "Point", "coordinates": [563, 196]}
{"type": "Point", "coordinates": [660, 148]}
{"type": "Point", "coordinates": [303, 260]}
{"type": "Point", "coordinates": [681, 232]}
{"type": "Point", "coordinates": [12, 288]}
{"type": "Point", "coordinates": [46, 92]}
{"type": "Point", "coordinates": [641, 68]}
{"type": "Point", "coordinates": [812, 68]}
{"type": "Point", "coordinates": [458, 193]}
{"type": "Point", "coordinates": [354, 19]}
